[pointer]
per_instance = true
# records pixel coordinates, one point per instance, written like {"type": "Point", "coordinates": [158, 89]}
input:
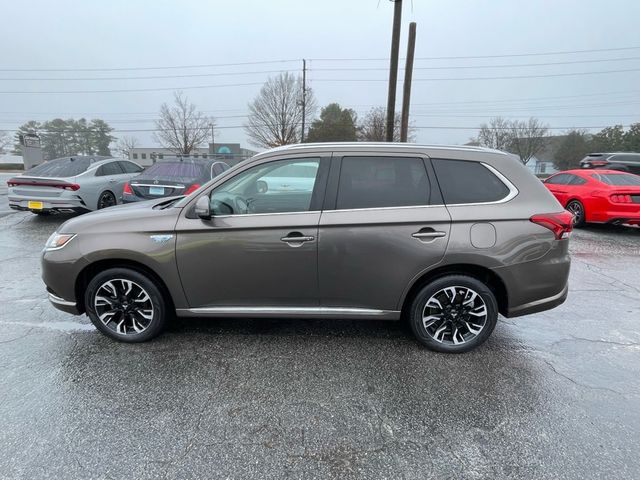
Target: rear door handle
{"type": "Point", "coordinates": [433, 234]}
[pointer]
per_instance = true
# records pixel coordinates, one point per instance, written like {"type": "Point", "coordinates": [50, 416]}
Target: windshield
{"type": "Point", "coordinates": [618, 179]}
{"type": "Point", "coordinates": [60, 167]}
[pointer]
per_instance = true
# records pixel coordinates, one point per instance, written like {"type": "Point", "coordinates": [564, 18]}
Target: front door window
{"type": "Point", "coordinates": [282, 186]}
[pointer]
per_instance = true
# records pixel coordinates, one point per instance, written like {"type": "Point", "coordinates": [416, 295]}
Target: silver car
{"type": "Point", "coordinates": [71, 184]}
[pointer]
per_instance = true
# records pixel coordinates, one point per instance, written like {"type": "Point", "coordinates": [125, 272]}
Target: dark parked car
{"type": "Point", "coordinates": [446, 237]}
{"type": "Point", "coordinates": [171, 177]}
{"type": "Point", "coordinates": [622, 161]}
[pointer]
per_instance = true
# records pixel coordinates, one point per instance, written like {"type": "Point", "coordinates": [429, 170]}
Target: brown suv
{"type": "Point", "coordinates": [447, 237]}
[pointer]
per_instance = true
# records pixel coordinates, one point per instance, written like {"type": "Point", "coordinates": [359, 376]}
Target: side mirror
{"type": "Point", "coordinates": [203, 208]}
{"type": "Point", "coordinates": [262, 186]}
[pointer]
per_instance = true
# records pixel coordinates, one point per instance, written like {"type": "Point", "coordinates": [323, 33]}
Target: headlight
{"type": "Point", "coordinates": [58, 240]}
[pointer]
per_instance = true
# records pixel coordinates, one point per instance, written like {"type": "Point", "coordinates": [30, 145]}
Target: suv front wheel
{"type": "Point", "coordinates": [125, 305]}
{"type": "Point", "coordinates": [453, 314]}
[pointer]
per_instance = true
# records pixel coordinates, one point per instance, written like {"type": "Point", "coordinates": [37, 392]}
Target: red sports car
{"type": "Point", "coordinates": [598, 196]}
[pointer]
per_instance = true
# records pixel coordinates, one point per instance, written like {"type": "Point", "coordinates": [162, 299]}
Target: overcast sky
{"type": "Point", "coordinates": [130, 34]}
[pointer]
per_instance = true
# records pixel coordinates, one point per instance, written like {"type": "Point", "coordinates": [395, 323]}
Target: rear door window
{"type": "Point", "coordinates": [111, 168]}
{"type": "Point", "coordinates": [378, 182]}
{"type": "Point", "coordinates": [464, 181]}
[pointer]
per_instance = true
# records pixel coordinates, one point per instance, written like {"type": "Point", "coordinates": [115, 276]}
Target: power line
{"type": "Point", "coordinates": [444, 104]}
{"type": "Point", "coordinates": [434, 127]}
{"type": "Point", "coordinates": [583, 95]}
{"type": "Point", "coordinates": [192, 87]}
{"type": "Point", "coordinates": [132, 90]}
{"type": "Point", "coordinates": [465, 67]}
{"type": "Point", "coordinates": [265, 62]}
{"type": "Point", "coordinates": [571, 74]}
{"type": "Point", "coordinates": [122, 69]}
{"type": "Point", "coordinates": [508, 55]}
{"type": "Point", "coordinates": [321, 69]}
{"type": "Point", "coordinates": [150, 77]}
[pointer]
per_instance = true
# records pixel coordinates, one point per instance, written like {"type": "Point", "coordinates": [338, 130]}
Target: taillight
{"type": "Point", "coordinates": [14, 182]}
{"type": "Point", "coordinates": [192, 188]}
{"type": "Point", "coordinates": [621, 199]}
{"type": "Point", "coordinates": [561, 224]}
{"type": "Point", "coordinates": [127, 189]}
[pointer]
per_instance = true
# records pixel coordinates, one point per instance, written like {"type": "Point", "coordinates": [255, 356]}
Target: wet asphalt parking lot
{"type": "Point", "coordinates": [552, 395]}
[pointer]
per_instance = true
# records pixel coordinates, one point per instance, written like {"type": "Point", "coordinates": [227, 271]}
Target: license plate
{"type": "Point", "coordinates": [156, 190]}
{"type": "Point", "coordinates": [35, 205]}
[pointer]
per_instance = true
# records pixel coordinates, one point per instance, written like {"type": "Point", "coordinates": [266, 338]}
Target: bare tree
{"type": "Point", "coordinates": [496, 134]}
{"type": "Point", "coordinates": [181, 127]}
{"type": "Point", "coordinates": [524, 138]}
{"type": "Point", "coordinates": [275, 115]}
{"type": "Point", "coordinates": [373, 126]}
{"type": "Point", "coordinates": [125, 144]}
{"type": "Point", "coordinates": [5, 140]}
{"type": "Point", "coordinates": [528, 138]}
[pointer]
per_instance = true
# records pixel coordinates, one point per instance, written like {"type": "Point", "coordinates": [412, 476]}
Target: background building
{"type": "Point", "coordinates": [230, 153]}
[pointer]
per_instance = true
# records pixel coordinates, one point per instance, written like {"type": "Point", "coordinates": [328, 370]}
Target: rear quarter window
{"type": "Point", "coordinates": [463, 181]}
{"type": "Point", "coordinates": [618, 179]}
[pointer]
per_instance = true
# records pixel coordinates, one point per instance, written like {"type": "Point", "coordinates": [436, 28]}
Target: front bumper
{"type": "Point", "coordinates": [64, 305]}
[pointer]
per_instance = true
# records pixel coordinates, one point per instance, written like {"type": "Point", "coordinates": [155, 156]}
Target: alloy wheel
{"type": "Point", "coordinates": [454, 315]}
{"type": "Point", "coordinates": [578, 212]}
{"type": "Point", "coordinates": [106, 200]}
{"type": "Point", "coordinates": [123, 306]}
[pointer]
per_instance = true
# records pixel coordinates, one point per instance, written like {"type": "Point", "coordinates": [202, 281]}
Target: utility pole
{"type": "Point", "coordinates": [408, 73]}
{"type": "Point", "coordinates": [393, 68]}
{"type": "Point", "coordinates": [213, 142]}
{"type": "Point", "coordinates": [304, 97]}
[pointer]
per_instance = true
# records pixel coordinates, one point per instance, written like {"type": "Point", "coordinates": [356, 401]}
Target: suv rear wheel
{"type": "Point", "coordinates": [453, 314]}
{"type": "Point", "coordinates": [125, 305]}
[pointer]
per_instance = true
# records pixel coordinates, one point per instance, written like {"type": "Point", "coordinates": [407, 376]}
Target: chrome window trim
{"type": "Point", "coordinates": [156, 185]}
{"type": "Point", "coordinates": [403, 207]}
{"type": "Point", "coordinates": [263, 214]}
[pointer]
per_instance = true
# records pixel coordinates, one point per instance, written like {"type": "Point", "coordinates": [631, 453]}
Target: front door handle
{"type": "Point", "coordinates": [296, 239]}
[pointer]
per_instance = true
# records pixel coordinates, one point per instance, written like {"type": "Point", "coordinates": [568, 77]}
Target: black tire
{"type": "Point", "coordinates": [577, 208]}
{"type": "Point", "coordinates": [129, 310]}
{"type": "Point", "coordinates": [106, 199]}
{"type": "Point", "coordinates": [424, 331]}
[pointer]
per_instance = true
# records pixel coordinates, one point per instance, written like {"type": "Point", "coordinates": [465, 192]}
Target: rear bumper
{"type": "Point", "coordinates": [539, 305]}
{"type": "Point", "coordinates": [537, 285]}
{"type": "Point", "coordinates": [58, 205]}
